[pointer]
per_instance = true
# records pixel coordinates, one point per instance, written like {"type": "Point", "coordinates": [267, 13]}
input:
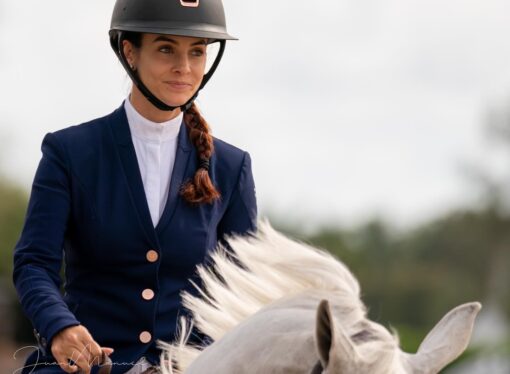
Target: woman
{"type": "Point", "coordinates": [130, 203]}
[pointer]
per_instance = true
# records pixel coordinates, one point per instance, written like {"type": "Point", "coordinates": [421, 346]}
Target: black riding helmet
{"type": "Point", "coordinates": [194, 18]}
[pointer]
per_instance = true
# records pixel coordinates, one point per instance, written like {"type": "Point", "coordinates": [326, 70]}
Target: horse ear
{"type": "Point", "coordinates": [333, 345]}
{"type": "Point", "coordinates": [446, 341]}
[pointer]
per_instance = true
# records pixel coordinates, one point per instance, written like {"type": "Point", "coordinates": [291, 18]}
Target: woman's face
{"type": "Point", "coordinates": [172, 67]}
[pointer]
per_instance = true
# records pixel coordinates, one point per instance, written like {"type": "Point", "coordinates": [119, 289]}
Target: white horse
{"type": "Point", "coordinates": [284, 307]}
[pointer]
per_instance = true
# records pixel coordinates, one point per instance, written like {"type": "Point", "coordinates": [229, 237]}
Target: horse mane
{"type": "Point", "coordinates": [259, 269]}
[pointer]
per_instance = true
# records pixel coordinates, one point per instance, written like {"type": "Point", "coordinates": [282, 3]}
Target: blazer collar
{"type": "Point", "coordinates": [122, 133]}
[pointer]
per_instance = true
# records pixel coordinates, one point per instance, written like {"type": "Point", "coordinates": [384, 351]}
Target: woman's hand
{"type": "Point", "coordinates": [75, 343]}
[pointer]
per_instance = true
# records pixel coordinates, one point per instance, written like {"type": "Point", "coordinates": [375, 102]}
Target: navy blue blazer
{"type": "Point", "coordinates": [88, 209]}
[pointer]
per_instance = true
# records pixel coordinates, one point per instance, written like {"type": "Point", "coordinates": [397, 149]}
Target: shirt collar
{"type": "Point", "coordinates": [148, 130]}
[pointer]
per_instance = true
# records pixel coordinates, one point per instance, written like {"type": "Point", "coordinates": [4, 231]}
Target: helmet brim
{"type": "Point", "coordinates": [195, 31]}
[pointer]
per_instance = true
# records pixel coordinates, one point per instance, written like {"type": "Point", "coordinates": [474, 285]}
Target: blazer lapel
{"type": "Point", "coordinates": [181, 166]}
{"type": "Point", "coordinates": [126, 150]}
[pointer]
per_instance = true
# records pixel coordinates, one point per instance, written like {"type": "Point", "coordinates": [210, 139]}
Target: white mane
{"type": "Point", "coordinates": [266, 267]}
{"type": "Point", "coordinates": [268, 271]}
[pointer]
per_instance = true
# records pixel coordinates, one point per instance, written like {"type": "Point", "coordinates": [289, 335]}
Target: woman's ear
{"type": "Point", "coordinates": [129, 52]}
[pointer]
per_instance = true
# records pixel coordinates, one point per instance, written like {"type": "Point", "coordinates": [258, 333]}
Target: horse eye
{"type": "Point", "coordinates": [363, 336]}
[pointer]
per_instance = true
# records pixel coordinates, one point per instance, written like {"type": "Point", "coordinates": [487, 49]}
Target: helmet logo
{"type": "Point", "coordinates": [190, 3]}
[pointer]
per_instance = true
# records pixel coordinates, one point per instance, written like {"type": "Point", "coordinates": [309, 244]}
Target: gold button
{"type": "Point", "coordinates": [148, 294]}
{"type": "Point", "coordinates": [145, 336]}
{"type": "Point", "coordinates": [152, 256]}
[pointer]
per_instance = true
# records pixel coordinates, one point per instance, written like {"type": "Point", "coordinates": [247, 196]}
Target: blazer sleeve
{"type": "Point", "coordinates": [241, 214]}
{"type": "Point", "coordinates": [39, 251]}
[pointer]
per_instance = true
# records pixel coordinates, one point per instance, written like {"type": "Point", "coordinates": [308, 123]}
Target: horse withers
{"type": "Point", "coordinates": [274, 305]}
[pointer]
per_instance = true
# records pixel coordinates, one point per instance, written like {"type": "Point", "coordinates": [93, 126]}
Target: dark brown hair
{"type": "Point", "coordinates": [200, 189]}
{"type": "Point", "coordinates": [134, 37]}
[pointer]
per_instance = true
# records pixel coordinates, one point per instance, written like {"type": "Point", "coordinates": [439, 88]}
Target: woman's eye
{"type": "Point", "coordinates": [197, 52]}
{"type": "Point", "coordinates": [166, 49]}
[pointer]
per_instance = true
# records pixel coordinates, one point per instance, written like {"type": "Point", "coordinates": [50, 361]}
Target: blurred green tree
{"type": "Point", "coordinates": [13, 203]}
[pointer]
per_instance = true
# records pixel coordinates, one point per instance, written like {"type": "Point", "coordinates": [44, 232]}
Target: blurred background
{"type": "Point", "coordinates": [379, 130]}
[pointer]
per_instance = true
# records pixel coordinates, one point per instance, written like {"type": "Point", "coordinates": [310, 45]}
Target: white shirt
{"type": "Point", "coordinates": [155, 146]}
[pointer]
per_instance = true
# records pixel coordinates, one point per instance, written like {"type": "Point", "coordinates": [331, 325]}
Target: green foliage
{"type": "Point", "coordinates": [13, 202]}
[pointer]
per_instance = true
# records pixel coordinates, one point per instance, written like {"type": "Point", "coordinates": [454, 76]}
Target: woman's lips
{"type": "Point", "coordinates": [180, 86]}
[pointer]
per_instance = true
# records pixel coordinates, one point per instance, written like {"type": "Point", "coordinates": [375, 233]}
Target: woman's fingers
{"type": "Point", "coordinates": [66, 346]}
{"type": "Point", "coordinates": [106, 364]}
{"type": "Point", "coordinates": [108, 351]}
{"type": "Point", "coordinates": [63, 357]}
{"type": "Point", "coordinates": [83, 359]}
{"type": "Point", "coordinates": [76, 344]}
{"type": "Point", "coordinates": [94, 350]}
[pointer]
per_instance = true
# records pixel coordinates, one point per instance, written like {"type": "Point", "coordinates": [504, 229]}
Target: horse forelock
{"type": "Point", "coordinates": [379, 351]}
{"type": "Point", "coordinates": [266, 266]}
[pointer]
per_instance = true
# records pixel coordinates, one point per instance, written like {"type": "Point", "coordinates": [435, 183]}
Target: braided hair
{"type": "Point", "coordinates": [200, 189]}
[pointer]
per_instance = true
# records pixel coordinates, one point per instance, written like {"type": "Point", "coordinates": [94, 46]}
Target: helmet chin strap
{"type": "Point", "coordinates": [148, 94]}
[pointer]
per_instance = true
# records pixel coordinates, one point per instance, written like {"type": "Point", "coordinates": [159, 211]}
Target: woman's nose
{"type": "Point", "coordinates": [181, 64]}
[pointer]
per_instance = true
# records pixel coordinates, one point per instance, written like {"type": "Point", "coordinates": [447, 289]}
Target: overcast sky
{"type": "Point", "coordinates": [349, 108]}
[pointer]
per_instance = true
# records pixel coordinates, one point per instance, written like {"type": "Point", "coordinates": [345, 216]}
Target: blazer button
{"type": "Point", "coordinates": [145, 337]}
{"type": "Point", "coordinates": [152, 256]}
{"type": "Point", "coordinates": [148, 294]}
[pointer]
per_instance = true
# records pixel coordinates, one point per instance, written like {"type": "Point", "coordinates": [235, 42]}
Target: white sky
{"type": "Point", "coordinates": [349, 108]}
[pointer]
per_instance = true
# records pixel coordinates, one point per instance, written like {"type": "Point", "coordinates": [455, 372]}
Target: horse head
{"type": "Point", "coordinates": [371, 350]}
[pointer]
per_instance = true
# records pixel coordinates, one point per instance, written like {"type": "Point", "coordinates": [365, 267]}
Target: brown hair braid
{"type": "Point", "coordinates": [200, 189]}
